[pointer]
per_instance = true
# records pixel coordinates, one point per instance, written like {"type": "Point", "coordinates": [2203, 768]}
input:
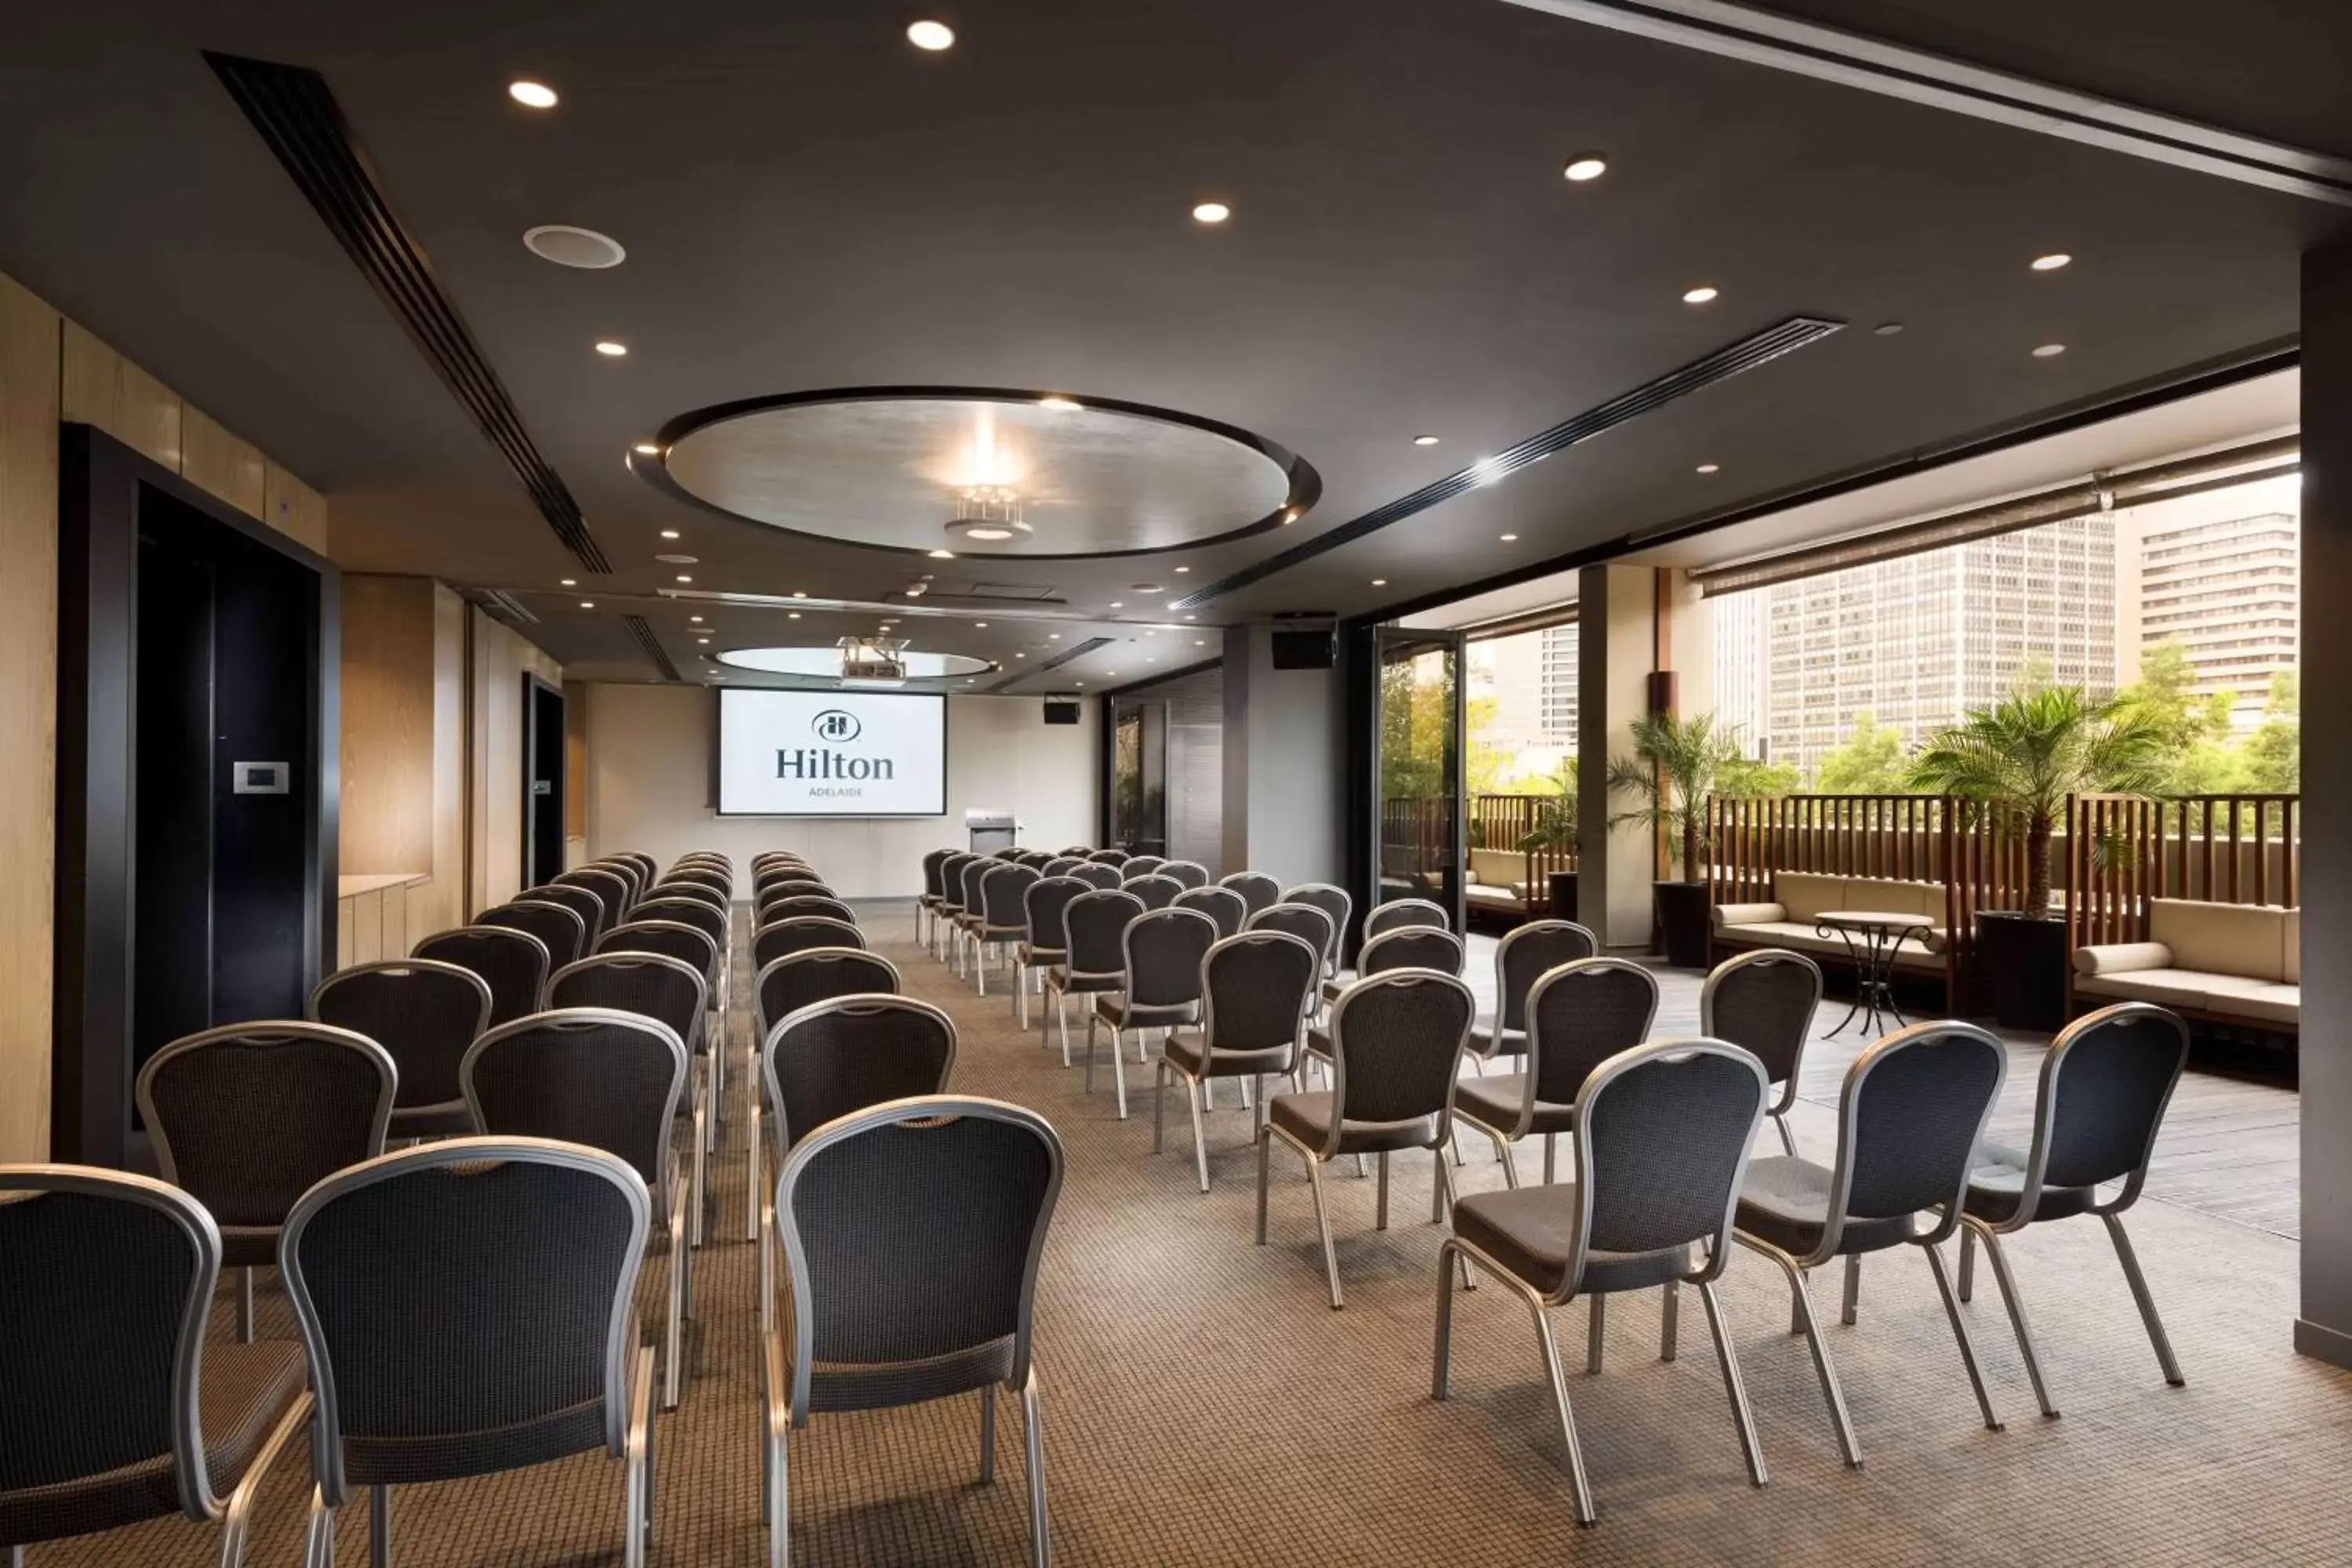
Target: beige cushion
{"type": "Point", "coordinates": [1496, 898]}
{"type": "Point", "coordinates": [1499, 867]}
{"type": "Point", "coordinates": [1802, 895]}
{"type": "Point", "coordinates": [2173, 987]}
{"type": "Point", "coordinates": [2269, 1004]}
{"type": "Point", "coordinates": [1803, 937]}
{"type": "Point", "coordinates": [2247, 940]}
{"type": "Point", "coordinates": [2118, 957]}
{"type": "Point", "coordinates": [2292, 965]}
{"type": "Point", "coordinates": [1745, 914]}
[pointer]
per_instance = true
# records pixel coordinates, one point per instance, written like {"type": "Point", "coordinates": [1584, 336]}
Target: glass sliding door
{"type": "Point", "coordinates": [1139, 794]}
{"type": "Point", "coordinates": [1417, 763]}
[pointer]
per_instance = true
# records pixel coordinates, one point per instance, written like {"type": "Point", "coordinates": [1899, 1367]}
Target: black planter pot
{"type": "Point", "coordinates": [1563, 895]}
{"type": "Point", "coordinates": [2023, 963]}
{"type": "Point", "coordinates": [1682, 921]}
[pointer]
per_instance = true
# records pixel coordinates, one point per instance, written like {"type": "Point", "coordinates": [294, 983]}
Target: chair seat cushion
{"type": "Point", "coordinates": [1998, 1180]}
{"type": "Point", "coordinates": [1485, 1041]}
{"type": "Point", "coordinates": [1495, 1100]}
{"type": "Point", "coordinates": [449, 1456]}
{"type": "Point", "coordinates": [1337, 984]}
{"type": "Point", "coordinates": [1307, 1118]}
{"type": "Point", "coordinates": [1785, 1202]}
{"type": "Point", "coordinates": [1113, 1008]}
{"type": "Point", "coordinates": [2177, 987]}
{"type": "Point", "coordinates": [882, 1385]}
{"type": "Point", "coordinates": [1185, 1052]}
{"type": "Point", "coordinates": [1318, 1041]}
{"type": "Point", "coordinates": [1059, 978]}
{"type": "Point", "coordinates": [1528, 1231]}
{"type": "Point", "coordinates": [1041, 956]}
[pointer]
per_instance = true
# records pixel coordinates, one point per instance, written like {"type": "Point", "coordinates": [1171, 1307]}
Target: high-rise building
{"type": "Point", "coordinates": [1741, 626]}
{"type": "Point", "coordinates": [1558, 683]}
{"type": "Point", "coordinates": [2217, 574]}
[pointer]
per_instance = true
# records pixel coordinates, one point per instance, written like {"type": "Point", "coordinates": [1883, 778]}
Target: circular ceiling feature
{"type": "Point", "coordinates": [821, 661]}
{"type": "Point", "coordinates": [568, 246]}
{"type": "Point", "coordinates": [999, 471]}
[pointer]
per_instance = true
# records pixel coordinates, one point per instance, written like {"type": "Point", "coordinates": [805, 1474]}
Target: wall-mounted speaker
{"type": "Point", "coordinates": [1061, 710]}
{"type": "Point", "coordinates": [1303, 651]}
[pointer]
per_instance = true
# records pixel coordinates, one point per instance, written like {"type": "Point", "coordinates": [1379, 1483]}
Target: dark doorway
{"type": "Point", "coordinates": [542, 807]}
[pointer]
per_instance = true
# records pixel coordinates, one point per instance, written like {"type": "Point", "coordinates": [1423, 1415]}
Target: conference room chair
{"type": "Point", "coordinates": [1158, 892]}
{"type": "Point", "coordinates": [1413, 947]}
{"type": "Point", "coordinates": [1256, 990]}
{"type": "Point", "coordinates": [913, 1234]}
{"type": "Point", "coordinates": [1259, 891]}
{"type": "Point", "coordinates": [1525, 954]}
{"type": "Point", "coordinates": [1159, 987]}
{"type": "Point", "coordinates": [1402, 914]}
{"type": "Point", "coordinates": [1062, 865]}
{"type": "Point", "coordinates": [513, 964]}
{"type": "Point", "coordinates": [1108, 857]}
{"type": "Point", "coordinates": [1657, 1171]}
{"type": "Point", "coordinates": [423, 1012]}
{"type": "Point", "coordinates": [116, 1405]}
{"type": "Point", "coordinates": [783, 884]}
{"type": "Point", "coordinates": [783, 906]}
{"type": "Point", "coordinates": [416, 1277]}
{"type": "Point", "coordinates": [795, 933]}
{"type": "Point", "coordinates": [558, 929]}
{"type": "Point", "coordinates": [831, 1059]}
{"type": "Point", "coordinates": [1191, 873]}
{"type": "Point", "coordinates": [580, 901]}
{"type": "Point", "coordinates": [1077, 851]}
{"type": "Point", "coordinates": [245, 1117]}
{"type": "Point", "coordinates": [1763, 1001]}
{"type": "Point", "coordinates": [1578, 1016]}
{"type": "Point", "coordinates": [612, 886]}
{"type": "Point", "coordinates": [686, 888]}
{"type": "Point", "coordinates": [1045, 941]}
{"type": "Point", "coordinates": [927, 903]}
{"type": "Point", "coordinates": [611, 1081]}
{"type": "Point", "coordinates": [793, 981]}
{"type": "Point", "coordinates": [668, 991]}
{"type": "Point", "coordinates": [1036, 859]}
{"type": "Point", "coordinates": [1003, 921]}
{"type": "Point", "coordinates": [1910, 1117]}
{"type": "Point", "coordinates": [1304, 921]}
{"type": "Point", "coordinates": [971, 906]}
{"type": "Point", "coordinates": [1142, 865]}
{"type": "Point", "coordinates": [1221, 905]}
{"type": "Point", "coordinates": [640, 877]}
{"type": "Point", "coordinates": [646, 866]}
{"type": "Point", "coordinates": [2105, 1082]}
{"type": "Point", "coordinates": [713, 921]}
{"type": "Point", "coordinates": [693, 947]}
{"type": "Point", "coordinates": [1096, 922]}
{"type": "Point", "coordinates": [1098, 874]}
{"type": "Point", "coordinates": [1397, 1040]}
{"type": "Point", "coordinates": [718, 879]}
{"type": "Point", "coordinates": [1336, 904]}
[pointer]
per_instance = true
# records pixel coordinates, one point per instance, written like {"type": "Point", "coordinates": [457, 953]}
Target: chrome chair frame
{"type": "Point", "coordinates": [1101, 1013]}
{"type": "Point", "coordinates": [1506, 1138]}
{"type": "Point", "coordinates": [1196, 1084]}
{"type": "Point", "coordinates": [697, 1112]}
{"type": "Point", "coordinates": [1063, 981]}
{"type": "Point", "coordinates": [763, 1029]}
{"type": "Point", "coordinates": [423, 1116]}
{"type": "Point", "coordinates": [1770, 957]}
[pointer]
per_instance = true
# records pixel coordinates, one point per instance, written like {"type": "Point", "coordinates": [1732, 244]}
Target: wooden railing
{"type": "Point", "coordinates": [1416, 833]}
{"type": "Point", "coordinates": [2122, 852]}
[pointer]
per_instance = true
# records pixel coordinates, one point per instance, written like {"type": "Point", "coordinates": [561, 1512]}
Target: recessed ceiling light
{"type": "Point", "coordinates": [531, 94]}
{"type": "Point", "coordinates": [1147, 588]}
{"type": "Point", "coordinates": [1118, 603]}
{"type": "Point", "coordinates": [647, 449]}
{"type": "Point", "coordinates": [1887, 329]}
{"type": "Point", "coordinates": [1191, 617]}
{"type": "Point", "coordinates": [1586, 166]}
{"type": "Point", "coordinates": [1077, 683]}
{"type": "Point", "coordinates": [1710, 467]}
{"type": "Point", "coordinates": [1199, 642]}
{"type": "Point", "coordinates": [1056, 400]}
{"type": "Point", "coordinates": [1289, 516]}
{"type": "Point", "coordinates": [980, 626]}
{"type": "Point", "coordinates": [694, 617]}
{"type": "Point", "coordinates": [931, 35]}
{"type": "Point", "coordinates": [1424, 440]}
{"type": "Point", "coordinates": [684, 578]}
{"type": "Point", "coordinates": [705, 641]}
{"type": "Point", "coordinates": [1700, 295]}
{"type": "Point", "coordinates": [569, 245]}
{"type": "Point", "coordinates": [1510, 538]}
{"type": "Point", "coordinates": [1379, 582]}
{"type": "Point", "coordinates": [1181, 570]}
{"type": "Point", "coordinates": [798, 594]}
{"type": "Point", "coordinates": [571, 582]}
{"type": "Point", "coordinates": [587, 603]}
{"type": "Point", "coordinates": [1212, 212]}
{"type": "Point", "coordinates": [943, 554]}
{"type": "Point", "coordinates": [610, 348]}
{"type": "Point", "coordinates": [2051, 262]}
{"type": "Point", "coordinates": [791, 615]}
{"type": "Point", "coordinates": [1052, 636]}
{"type": "Point", "coordinates": [2050, 351]}
{"type": "Point", "coordinates": [676, 560]}
{"type": "Point", "coordinates": [1113, 674]}
{"type": "Point", "coordinates": [667, 532]}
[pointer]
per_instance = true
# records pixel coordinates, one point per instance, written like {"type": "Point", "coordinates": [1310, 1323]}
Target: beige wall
{"type": "Point", "coordinates": [403, 747]}
{"type": "Point", "coordinates": [500, 658]}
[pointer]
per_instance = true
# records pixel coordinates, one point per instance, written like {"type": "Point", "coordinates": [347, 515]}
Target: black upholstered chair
{"type": "Point", "coordinates": [1397, 1040]}
{"type": "Point", "coordinates": [1157, 892]}
{"type": "Point", "coordinates": [1910, 1117]}
{"type": "Point", "coordinates": [1108, 857]}
{"type": "Point", "coordinates": [798, 933]}
{"type": "Point", "coordinates": [245, 1118]}
{"type": "Point", "coordinates": [608, 883]}
{"type": "Point", "coordinates": [802, 898]}
{"type": "Point", "coordinates": [692, 946]}
{"type": "Point", "coordinates": [703, 916]}
{"type": "Point", "coordinates": [636, 875]}
{"type": "Point", "coordinates": [115, 1406]}
{"type": "Point", "coordinates": [1304, 921]}
{"type": "Point", "coordinates": [1404, 914]}
{"type": "Point", "coordinates": [416, 1277]}
{"type": "Point", "coordinates": [559, 928]}
{"type": "Point", "coordinates": [2105, 1082]}
{"type": "Point", "coordinates": [795, 981]}
{"type": "Point", "coordinates": [1402, 947]}
{"type": "Point", "coordinates": [1096, 922]}
{"type": "Point", "coordinates": [1062, 865]}
{"type": "Point", "coordinates": [646, 866]}
{"type": "Point", "coordinates": [423, 1012]}
{"type": "Point", "coordinates": [1525, 955]}
{"type": "Point", "coordinates": [1336, 905]}
{"type": "Point", "coordinates": [1259, 891]}
{"type": "Point", "coordinates": [971, 905]}
{"type": "Point", "coordinates": [705, 874]}
{"type": "Point", "coordinates": [1658, 1168]}
{"type": "Point", "coordinates": [513, 964]}
{"type": "Point", "coordinates": [1159, 987]}
{"type": "Point", "coordinates": [1191, 873]}
{"type": "Point", "coordinates": [1045, 939]}
{"type": "Point", "coordinates": [594, 919]}
{"type": "Point", "coordinates": [1098, 874]}
{"type": "Point", "coordinates": [912, 1234]}
{"type": "Point", "coordinates": [1141, 865]}
{"type": "Point", "coordinates": [701, 892]}
{"type": "Point", "coordinates": [668, 991]}
{"type": "Point", "coordinates": [1003, 920]}
{"type": "Point", "coordinates": [613, 1080]}
{"type": "Point", "coordinates": [1763, 1001]}
{"type": "Point", "coordinates": [927, 904]}
{"type": "Point", "coordinates": [1221, 905]}
{"type": "Point", "coordinates": [1578, 1016]}
{"type": "Point", "coordinates": [950, 904]}
{"type": "Point", "coordinates": [1256, 990]}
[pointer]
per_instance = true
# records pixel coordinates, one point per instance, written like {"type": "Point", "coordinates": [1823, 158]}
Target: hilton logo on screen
{"type": "Point", "coordinates": [806, 765]}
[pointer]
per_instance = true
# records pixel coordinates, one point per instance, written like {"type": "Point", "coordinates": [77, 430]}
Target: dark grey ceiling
{"type": "Point", "coordinates": [810, 202]}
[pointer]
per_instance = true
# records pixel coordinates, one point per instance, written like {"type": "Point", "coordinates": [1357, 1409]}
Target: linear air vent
{"type": "Point", "coordinates": [655, 652]}
{"type": "Point", "coordinates": [297, 115]}
{"type": "Point", "coordinates": [1077, 650]}
{"type": "Point", "coordinates": [1721, 365]}
{"type": "Point", "coordinates": [508, 608]}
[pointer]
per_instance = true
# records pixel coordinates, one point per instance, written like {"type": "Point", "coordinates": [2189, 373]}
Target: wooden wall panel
{"type": "Point", "coordinates": [217, 462]}
{"type": "Point", "coordinates": [442, 902]}
{"type": "Point", "coordinates": [293, 507]}
{"type": "Point", "coordinates": [388, 729]}
{"type": "Point", "coordinates": [29, 351]}
{"type": "Point", "coordinates": [101, 387]}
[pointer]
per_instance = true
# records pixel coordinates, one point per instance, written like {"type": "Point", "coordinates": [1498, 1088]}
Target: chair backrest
{"type": "Point", "coordinates": [1108, 857]}
{"type": "Point", "coordinates": [816, 975]}
{"type": "Point", "coordinates": [790, 884]}
{"type": "Point", "coordinates": [1256, 990]}
{"type": "Point", "coordinates": [1404, 914]}
{"type": "Point", "coordinates": [1663, 1137]}
{"type": "Point", "coordinates": [1158, 892]}
{"type": "Point", "coordinates": [612, 886]}
{"type": "Point", "coordinates": [1763, 1001]}
{"type": "Point", "coordinates": [2105, 1082]}
{"type": "Point", "coordinates": [647, 866]}
{"type": "Point", "coordinates": [422, 1012]}
{"type": "Point", "coordinates": [1909, 1119]}
{"type": "Point", "coordinates": [594, 918]}
{"type": "Point", "coordinates": [1163, 953]}
{"type": "Point", "coordinates": [1335, 903]}
{"type": "Point", "coordinates": [835, 1057]}
{"type": "Point", "coordinates": [1259, 891]}
{"type": "Point", "coordinates": [1304, 921]}
{"type": "Point", "coordinates": [1529, 952]}
{"type": "Point", "coordinates": [913, 1232]}
{"type": "Point", "coordinates": [1097, 923]}
{"type": "Point", "coordinates": [672, 939]}
{"type": "Point", "coordinates": [797, 934]}
{"type": "Point", "coordinates": [975, 876]}
{"type": "Point", "coordinates": [932, 861]}
{"type": "Point", "coordinates": [1043, 906]}
{"type": "Point", "coordinates": [416, 1275]}
{"type": "Point", "coordinates": [699, 892]}
{"type": "Point", "coordinates": [1062, 865]}
{"type": "Point", "coordinates": [710, 921]}
{"type": "Point", "coordinates": [650, 984]}
{"type": "Point", "coordinates": [246, 1118]}
{"type": "Point", "coordinates": [1221, 905]}
{"type": "Point", "coordinates": [513, 964]}
{"type": "Point", "coordinates": [792, 904]}
{"type": "Point", "coordinates": [719, 880]}
{"type": "Point", "coordinates": [1004, 893]}
{"type": "Point", "coordinates": [1141, 865]}
{"type": "Point", "coordinates": [635, 876]}
{"type": "Point", "coordinates": [1191, 873]}
{"type": "Point", "coordinates": [1098, 874]}
{"type": "Point", "coordinates": [558, 927]}
{"type": "Point", "coordinates": [952, 880]}
{"type": "Point", "coordinates": [1397, 1040]}
{"type": "Point", "coordinates": [106, 1279]}
{"type": "Point", "coordinates": [1582, 1014]}
{"type": "Point", "coordinates": [598, 1076]}
{"type": "Point", "coordinates": [1412, 947]}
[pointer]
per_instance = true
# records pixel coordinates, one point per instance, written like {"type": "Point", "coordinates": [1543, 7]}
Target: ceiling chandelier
{"type": "Point", "coordinates": [987, 514]}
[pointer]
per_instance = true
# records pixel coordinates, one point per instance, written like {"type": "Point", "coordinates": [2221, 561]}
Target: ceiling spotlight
{"type": "Point", "coordinates": [667, 532]}
{"type": "Point", "coordinates": [798, 594]}
{"type": "Point", "coordinates": [931, 35]}
{"type": "Point", "coordinates": [2050, 351]}
{"type": "Point", "coordinates": [684, 578]}
{"type": "Point", "coordinates": [1149, 588]}
{"type": "Point", "coordinates": [1199, 642]}
{"type": "Point", "coordinates": [1700, 295]}
{"type": "Point", "coordinates": [1510, 538]}
{"type": "Point", "coordinates": [2051, 262]}
{"type": "Point", "coordinates": [1289, 516]}
{"type": "Point", "coordinates": [610, 348]}
{"type": "Point", "coordinates": [1379, 582]}
{"type": "Point", "coordinates": [569, 245]}
{"type": "Point", "coordinates": [1424, 440]}
{"type": "Point", "coordinates": [531, 94]}
{"type": "Point", "coordinates": [704, 641]}
{"type": "Point", "coordinates": [571, 582]}
{"type": "Point", "coordinates": [694, 617]}
{"type": "Point", "coordinates": [1056, 401]}
{"type": "Point", "coordinates": [1887, 329]}
{"type": "Point", "coordinates": [587, 603]}
{"type": "Point", "coordinates": [943, 554]}
{"type": "Point", "coordinates": [1077, 683]}
{"type": "Point", "coordinates": [1212, 212]}
{"type": "Point", "coordinates": [1181, 570]}
{"type": "Point", "coordinates": [791, 615]}
{"type": "Point", "coordinates": [1118, 603]}
{"type": "Point", "coordinates": [1052, 636]}
{"type": "Point", "coordinates": [1587, 166]}
{"type": "Point", "coordinates": [1709, 468]}
{"type": "Point", "coordinates": [647, 449]}
{"type": "Point", "coordinates": [1191, 617]}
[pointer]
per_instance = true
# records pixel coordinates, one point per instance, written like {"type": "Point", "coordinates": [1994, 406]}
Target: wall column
{"type": "Point", "coordinates": [1286, 785]}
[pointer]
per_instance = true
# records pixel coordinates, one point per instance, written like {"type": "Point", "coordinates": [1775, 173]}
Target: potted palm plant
{"type": "Point", "coordinates": [1554, 830]}
{"type": "Point", "coordinates": [1672, 772]}
{"type": "Point", "coordinates": [2017, 762]}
